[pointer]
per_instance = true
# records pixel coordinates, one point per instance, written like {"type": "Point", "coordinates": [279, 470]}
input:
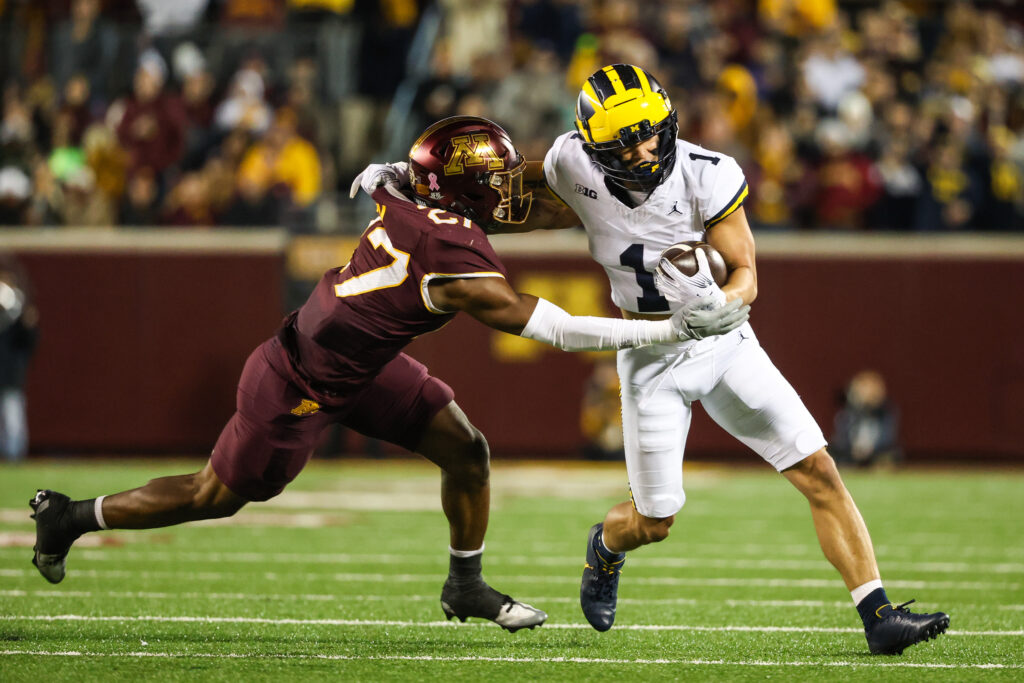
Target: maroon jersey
{"type": "Point", "coordinates": [359, 317]}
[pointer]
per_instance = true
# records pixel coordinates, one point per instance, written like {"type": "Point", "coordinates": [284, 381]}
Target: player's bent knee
{"type": "Point", "coordinates": [817, 477]}
{"type": "Point", "coordinates": [475, 464]}
{"type": "Point", "coordinates": [211, 498]}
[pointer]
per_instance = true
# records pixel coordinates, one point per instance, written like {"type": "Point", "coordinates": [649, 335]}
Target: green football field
{"type": "Point", "coordinates": [339, 578]}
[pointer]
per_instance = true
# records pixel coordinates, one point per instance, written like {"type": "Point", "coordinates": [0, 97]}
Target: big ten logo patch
{"type": "Point", "coordinates": [585, 191]}
{"type": "Point", "coordinates": [581, 294]}
{"type": "Point", "coordinates": [472, 150]}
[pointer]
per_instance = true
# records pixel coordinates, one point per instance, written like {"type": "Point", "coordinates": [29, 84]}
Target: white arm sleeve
{"type": "Point", "coordinates": [552, 325]}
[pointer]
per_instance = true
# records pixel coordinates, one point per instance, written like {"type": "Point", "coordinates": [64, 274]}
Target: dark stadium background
{"type": "Point", "coordinates": [883, 141]}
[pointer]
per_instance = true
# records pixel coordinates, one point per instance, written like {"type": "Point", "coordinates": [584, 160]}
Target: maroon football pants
{"type": "Point", "coordinates": [275, 428]}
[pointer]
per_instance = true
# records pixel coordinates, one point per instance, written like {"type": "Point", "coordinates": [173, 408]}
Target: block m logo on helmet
{"type": "Point", "coordinates": [472, 150]}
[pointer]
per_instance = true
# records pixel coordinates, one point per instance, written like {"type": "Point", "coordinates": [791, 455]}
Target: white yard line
{"type": "Point", "coordinates": [329, 597]}
{"type": "Point", "coordinates": [511, 578]}
{"type": "Point", "coordinates": [451, 624]}
{"type": "Point", "coordinates": [510, 660]}
{"type": "Point", "coordinates": [102, 554]}
{"type": "Point", "coordinates": [415, 597]}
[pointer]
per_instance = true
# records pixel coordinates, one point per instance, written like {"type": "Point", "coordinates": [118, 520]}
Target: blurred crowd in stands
{"type": "Point", "coordinates": [866, 115]}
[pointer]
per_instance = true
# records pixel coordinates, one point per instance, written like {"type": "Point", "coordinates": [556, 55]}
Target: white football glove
{"type": "Point", "coordinates": [377, 175]}
{"type": "Point", "coordinates": [689, 290]}
{"type": "Point", "coordinates": [708, 320]}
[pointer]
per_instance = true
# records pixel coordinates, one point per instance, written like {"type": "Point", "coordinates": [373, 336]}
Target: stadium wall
{"type": "Point", "coordinates": [144, 335]}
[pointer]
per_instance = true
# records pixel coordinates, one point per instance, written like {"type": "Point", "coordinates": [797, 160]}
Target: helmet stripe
{"type": "Point", "coordinates": [602, 86]}
{"type": "Point", "coordinates": [628, 76]}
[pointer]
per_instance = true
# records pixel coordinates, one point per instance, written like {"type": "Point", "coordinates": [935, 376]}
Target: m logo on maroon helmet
{"type": "Point", "coordinates": [472, 150]}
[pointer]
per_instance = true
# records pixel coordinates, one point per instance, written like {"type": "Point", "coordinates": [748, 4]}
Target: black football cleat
{"type": "Point", "coordinates": [898, 628]}
{"type": "Point", "coordinates": [481, 601]}
{"type": "Point", "coordinates": [53, 534]}
{"type": "Point", "coordinates": [599, 590]}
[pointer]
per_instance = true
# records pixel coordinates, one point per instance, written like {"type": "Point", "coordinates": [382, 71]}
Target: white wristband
{"type": "Point", "coordinates": [552, 325]}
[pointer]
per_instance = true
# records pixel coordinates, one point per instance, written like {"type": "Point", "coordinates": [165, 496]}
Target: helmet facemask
{"type": "Point", "coordinates": [514, 206]}
{"type": "Point", "coordinates": [646, 176]}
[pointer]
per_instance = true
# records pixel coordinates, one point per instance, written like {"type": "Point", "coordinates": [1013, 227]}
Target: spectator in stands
{"type": "Point", "coordinates": [66, 158]}
{"type": "Point", "coordinates": [76, 104]}
{"type": "Point", "coordinates": [474, 29]}
{"type": "Point", "coordinates": [952, 187]}
{"type": "Point", "coordinates": [905, 80]}
{"type": "Point", "coordinates": [152, 128]}
{"type": "Point", "coordinates": [18, 333]}
{"type": "Point", "coordinates": [140, 206]}
{"type": "Point", "coordinates": [188, 203]}
{"type": "Point", "coordinates": [167, 23]}
{"type": "Point", "coordinates": [85, 44]}
{"type": "Point", "coordinates": [84, 205]}
{"type": "Point", "coordinates": [845, 183]}
{"type": "Point", "coordinates": [253, 205]}
{"type": "Point", "coordinates": [866, 428]}
{"type": "Point", "coordinates": [218, 177]}
{"type": "Point", "coordinates": [47, 202]}
{"type": "Point", "coordinates": [676, 52]}
{"type": "Point", "coordinates": [285, 160]}
{"type": "Point", "coordinates": [901, 185]}
{"type": "Point", "coordinates": [108, 162]}
{"type": "Point", "coordinates": [1002, 206]}
{"type": "Point", "coordinates": [774, 178]}
{"type": "Point", "coordinates": [15, 195]}
{"type": "Point", "coordinates": [557, 23]}
{"type": "Point", "coordinates": [829, 71]}
{"type": "Point", "coordinates": [245, 105]}
{"type": "Point", "coordinates": [601, 413]}
{"type": "Point", "coordinates": [531, 101]}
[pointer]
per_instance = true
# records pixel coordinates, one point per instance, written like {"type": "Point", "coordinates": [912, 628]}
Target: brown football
{"type": "Point", "coordinates": [682, 257]}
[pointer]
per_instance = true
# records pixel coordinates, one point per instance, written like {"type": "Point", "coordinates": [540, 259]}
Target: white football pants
{"type": "Point", "coordinates": [739, 387]}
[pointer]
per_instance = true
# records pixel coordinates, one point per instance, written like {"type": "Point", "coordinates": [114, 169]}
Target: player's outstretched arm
{"type": "Point", "coordinates": [494, 303]}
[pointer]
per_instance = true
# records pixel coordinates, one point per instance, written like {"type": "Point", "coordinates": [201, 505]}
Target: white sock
{"type": "Point", "coordinates": [862, 591]}
{"type": "Point", "coordinates": [97, 509]}
{"type": "Point", "coordinates": [465, 553]}
{"type": "Point", "coordinates": [605, 545]}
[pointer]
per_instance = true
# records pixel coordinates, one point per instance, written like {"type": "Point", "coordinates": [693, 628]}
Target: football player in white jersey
{"type": "Point", "coordinates": [636, 189]}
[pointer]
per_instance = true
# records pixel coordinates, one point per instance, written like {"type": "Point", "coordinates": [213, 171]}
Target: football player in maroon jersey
{"type": "Point", "coordinates": [338, 359]}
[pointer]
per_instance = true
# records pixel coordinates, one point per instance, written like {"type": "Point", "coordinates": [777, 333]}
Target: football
{"type": "Point", "coordinates": [682, 257]}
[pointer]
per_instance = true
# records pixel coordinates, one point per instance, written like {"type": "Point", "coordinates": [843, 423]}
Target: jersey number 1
{"type": "Point", "coordinates": [651, 301]}
{"type": "Point", "coordinates": [390, 275]}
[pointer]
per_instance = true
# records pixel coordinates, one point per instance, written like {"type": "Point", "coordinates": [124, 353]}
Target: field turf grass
{"type": "Point", "coordinates": [339, 578]}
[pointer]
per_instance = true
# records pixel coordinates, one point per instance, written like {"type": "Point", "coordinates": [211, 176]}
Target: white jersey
{"type": "Point", "coordinates": [703, 188]}
{"type": "Point", "coordinates": [730, 374]}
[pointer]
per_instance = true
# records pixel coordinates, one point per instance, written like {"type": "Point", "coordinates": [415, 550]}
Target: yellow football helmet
{"type": "Point", "coordinates": [622, 105]}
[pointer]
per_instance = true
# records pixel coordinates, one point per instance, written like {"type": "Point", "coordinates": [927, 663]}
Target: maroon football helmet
{"type": "Point", "coordinates": [468, 165]}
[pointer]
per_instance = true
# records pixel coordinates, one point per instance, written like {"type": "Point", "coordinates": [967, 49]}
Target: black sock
{"type": "Point", "coordinates": [873, 607]}
{"type": "Point", "coordinates": [465, 570]}
{"type": "Point", "coordinates": [81, 516]}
